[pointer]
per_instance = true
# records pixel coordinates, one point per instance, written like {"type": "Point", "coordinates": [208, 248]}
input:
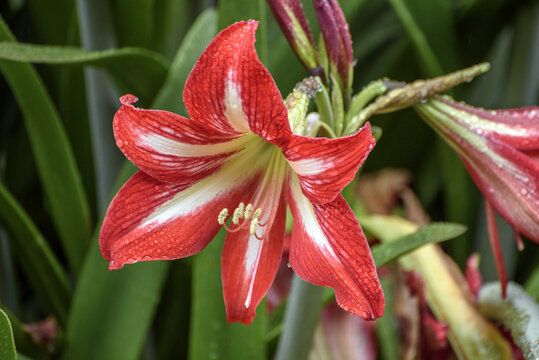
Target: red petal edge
{"type": "Point", "coordinates": [329, 248]}
{"type": "Point", "coordinates": [230, 61]}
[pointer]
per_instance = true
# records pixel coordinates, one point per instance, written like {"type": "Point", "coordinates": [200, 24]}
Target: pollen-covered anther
{"type": "Point", "coordinates": [253, 226]}
{"type": "Point", "coordinates": [222, 216]}
{"type": "Point", "coordinates": [248, 211]}
{"type": "Point", "coordinates": [238, 213]}
{"type": "Point", "coordinates": [239, 218]}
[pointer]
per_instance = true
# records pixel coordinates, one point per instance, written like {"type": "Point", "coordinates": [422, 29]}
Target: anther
{"type": "Point", "coordinates": [248, 211]}
{"type": "Point", "coordinates": [254, 225]}
{"type": "Point", "coordinates": [238, 213]}
{"type": "Point", "coordinates": [257, 213]}
{"type": "Point", "coordinates": [222, 216]}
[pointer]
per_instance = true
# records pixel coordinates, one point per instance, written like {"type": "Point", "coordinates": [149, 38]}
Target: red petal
{"type": "Point", "coordinates": [508, 179]}
{"type": "Point", "coordinates": [249, 266]}
{"type": "Point", "coordinates": [494, 238]}
{"type": "Point", "coordinates": [473, 275]}
{"type": "Point", "coordinates": [231, 90]}
{"type": "Point", "coordinates": [329, 249]}
{"type": "Point", "coordinates": [325, 166]}
{"type": "Point", "coordinates": [169, 147]}
{"type": "Point", "coordinates": [516, 127]}
{"type": "Point", "coordinates": [151, 220]}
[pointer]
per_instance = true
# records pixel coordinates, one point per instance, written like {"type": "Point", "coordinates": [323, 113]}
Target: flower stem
{"type": "Point", "coordinates": [301, 316]}
{"type": "Point", "coordinates": [323, 103]}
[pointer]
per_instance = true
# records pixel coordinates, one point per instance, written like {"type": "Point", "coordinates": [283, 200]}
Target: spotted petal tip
{"type": "Point", "coordinates": [128, 99]}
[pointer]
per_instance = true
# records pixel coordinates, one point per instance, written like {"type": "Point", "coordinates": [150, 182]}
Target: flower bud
{"type": "Point", "coordinates": [337, 39]}
{"type": "Point", "coordinates": [289, 14]}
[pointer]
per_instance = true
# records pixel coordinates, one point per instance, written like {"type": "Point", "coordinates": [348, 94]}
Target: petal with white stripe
{"type": "Point", "coordinates": [325, 166]}
{"type": "Point", "coordinates": [328, 248]}
{"type": "Point", "coordinates": [152, 220]}
{"type": "Point", "coordinates": [249, 265]}
{"type": "Point", "coordinates": [170, 147]}
{"type": "Point", "coordinates": [229, 88]}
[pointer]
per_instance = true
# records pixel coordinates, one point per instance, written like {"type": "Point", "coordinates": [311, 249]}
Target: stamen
{"type": "Point", "coordinates": [254, 225]}
{"type": "Point", "coordinates": [248, 211]}
{"type": "Point", "coordinates": [238, 213]}
{"type": "Point", "coordinates": [257, 213]}
{"type": "Point", "coordinates": [222, 216]}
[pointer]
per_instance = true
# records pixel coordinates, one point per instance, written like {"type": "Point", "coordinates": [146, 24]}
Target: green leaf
{"type": "Point", "coordinates": [532, 284]}
{"type": "Point", "coordinates": [198, 37]}
{"type": "Point", "coordinates": [53, 154]}
{"type": "Point", "coordinates": [432, 233]}
{"type": "Point", "coordinates": [133, 21]}
{"type": "Point", "coordinates": [35, 257]}
{"type": "Point", "coordinates": [7, 344]}
{"type": "Point", "coordinates": [211, 337]}
{"type": "Point", "coordinates": [171, 19]}
{"type": "Point", "coordinates": [23, 340]}
{"type": "Point", "coordinates": [428, 59]}
{"type": "Point", "coordinates": [387, 325]}
{"type": "Point", "coordinates": [113, 308]}
{"type": "Point", "coordinates": [137, 70]}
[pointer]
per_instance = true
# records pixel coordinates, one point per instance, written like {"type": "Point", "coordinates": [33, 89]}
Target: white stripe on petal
{"type": "Point", "coordinates": [308, 218]}
{"type": "Point", "coordinates": [312, 166]}
{"type": "Point", "coordinates": [167, 146]}
{"type": "Point", "coordinates": [233, 105]}
{"type": "Point", "coordinates": [234, 173]}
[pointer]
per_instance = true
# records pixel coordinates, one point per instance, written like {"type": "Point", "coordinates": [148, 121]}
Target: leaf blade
{"type": "Point", "coordinates": [53, 154]}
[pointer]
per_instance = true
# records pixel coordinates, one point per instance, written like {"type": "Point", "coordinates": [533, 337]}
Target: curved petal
{"type": "Point", "coordinates": [329, 248]}
{"type": "Point", "coordinates": [325, 166]}
{"type": "Point", "coordinates": [230, 90]}
{"type": "Point", "coordinates": [151, 220]}
{"type": "Point", "coordinates": [249, 266]}
{"type": "Point", "coordinates": [504, 170]}
{"type": "Point", "coordinates": [516, 127]}
{"type": "Point", "coordinates": [170, 147]}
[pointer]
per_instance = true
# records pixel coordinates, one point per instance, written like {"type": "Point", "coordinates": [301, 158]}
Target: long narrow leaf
{"type": "Point", "coordinates": [53, 154]}
{"type": "Point", "coordinates": [199, 36]}
{"type": "Point", "coordinates": [432, 233]}
{"type": "Point", "coordinates": [36, 258]}
{"type": "Point", "coordinates": [211, 337]}
{"type": "Point", "coordinates": [135, 69]}
{"type": "Point", "coordinates": [7, 344]}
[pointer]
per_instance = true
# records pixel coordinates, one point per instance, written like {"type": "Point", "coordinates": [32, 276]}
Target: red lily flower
{"type": "Point", "coordinates": [500, 150]}
{"type": "Point", "coordinates": [239, 152]}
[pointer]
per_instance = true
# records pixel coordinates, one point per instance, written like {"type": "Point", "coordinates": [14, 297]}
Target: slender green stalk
{"type": "Point", "coordinates": [427, 56]}
{"type": "Point", "coordinates": [323, 103]}
{"type": "Point", "coordinates": [300, 320]}
{"type": "Point", "coordinates": [369, 92]}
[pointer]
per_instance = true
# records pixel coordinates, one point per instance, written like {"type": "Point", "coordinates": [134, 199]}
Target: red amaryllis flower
{"type": "Point", "coordinates": [500, 149]}
{"type": "Point", "coordinates": [239, 152]}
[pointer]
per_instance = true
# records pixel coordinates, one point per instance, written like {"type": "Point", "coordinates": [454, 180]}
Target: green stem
{"type": "Point", "coordinates": [302, 314]}
{"type": "Point", "coordinates": [427, 56]}
{"type": "Point", "coordinates": [374, 89]}
{"type": "Point", "coordinates": [323, 103]}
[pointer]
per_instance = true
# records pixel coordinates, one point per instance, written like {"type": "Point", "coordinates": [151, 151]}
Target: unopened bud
{"type": "Point", "coordinates": [289, 14]}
